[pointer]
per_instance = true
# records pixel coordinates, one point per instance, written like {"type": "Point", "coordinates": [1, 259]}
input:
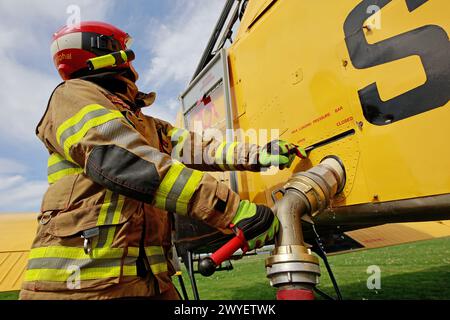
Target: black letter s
{"type": "Point", "coordinates": [429, 42]}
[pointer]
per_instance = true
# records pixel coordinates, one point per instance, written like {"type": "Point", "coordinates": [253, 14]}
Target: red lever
{"type": "Point", "coordinates": [227, 250]}
{"type": "Point", "coordinates": [207, 266]}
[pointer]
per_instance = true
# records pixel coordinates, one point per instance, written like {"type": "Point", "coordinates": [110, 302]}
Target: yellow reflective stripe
{"type": "Point", "coordinates": [118, 211]}
{"type": "Point", "coordinates": [188, 191]}
{"type": "Point", "coordinates": [75, 119]}
{"type": "Point", "coordinates": [129, 271]}
{"type": "Point", "coordinates": [72, 140]}
{"type": "Point", "coordinates": [54, 159]}
{"type": "Point", "coordinates": [133, 252]}
{"type": "Point", "coordinates": [158, 268]}
{"type": "Point", "coordinates": [230, 155]}
{"type": "Point", "coordinates": [124, 56]}
{"type": "Point", "coordinates": [112, 230]}
{"type": "Point", "coordinates": [78, 253]}
{"type": "Point", "coordinates": [86, 273]}
{"type": "Point", "coordinates": [172, 131]}
{"type": "Point", "coordinates": [61, 174]}
{"type": "Point", "coordinates": [110, 236]}
{"type": "Point", "coordinates": [154, 251]}
{"type": "Point", "coordinates": [59, 167]}
{"type": "Point", "coordinates": [62, 275]}
{"type": "Point", "coordinates": [180, 191]}
{"type": "Point", "coordinates": [118, 202]}
{"type": "Point", "coordinates": [107, 217]}
{"type": "Point", "coordinates": [167, 183]}
{"type": "Point", "coordinates": [104, 209]}
{"type": "Point", "coordinates": [219, 156]}
{"type": "Point", "coordinates": [91, 123]}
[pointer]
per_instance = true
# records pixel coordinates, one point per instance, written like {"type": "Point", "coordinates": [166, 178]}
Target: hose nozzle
{"type": "Point", "coordinates": [292, 268]}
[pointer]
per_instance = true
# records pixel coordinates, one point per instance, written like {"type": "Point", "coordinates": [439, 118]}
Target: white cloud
{"type": "Point", "coordinates": [164, 109]}
{"type": "Point", "coordinates": [8, 182]}
{"type": "Point", "coordinates": [21, 195]}
{"type": "Point", "coordinates": [177, 43]}
{"type": "Point", "coordinates": [26, 28]}
{"type": "Point", "coordinates": [17, 193]}
{"type": "Point", "coordinates": [24, 94]}
{"type": "Point", "coordinates": [8, 166]}
{"type": "Point", "coordinates": [29, 24]}
{"type": "Point", "coordinates": [27, 80]}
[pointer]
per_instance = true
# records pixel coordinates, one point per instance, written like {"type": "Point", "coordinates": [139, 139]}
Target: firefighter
{"type": "Point", "coordinates": [104, 229]}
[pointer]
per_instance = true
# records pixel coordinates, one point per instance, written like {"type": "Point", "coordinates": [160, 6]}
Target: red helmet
{"type": "Point", "coordinates": [73, 45]}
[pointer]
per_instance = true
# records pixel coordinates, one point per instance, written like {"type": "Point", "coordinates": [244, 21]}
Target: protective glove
{"type": "Point", "coordinates": [257, 223]}
{"type": "Point", "coordinates": [280, 153]}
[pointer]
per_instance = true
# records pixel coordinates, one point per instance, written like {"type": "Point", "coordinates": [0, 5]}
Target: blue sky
{"type": "Point", "coordinates": [169, 38]}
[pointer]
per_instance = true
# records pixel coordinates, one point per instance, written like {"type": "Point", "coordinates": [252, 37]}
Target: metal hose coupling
{"type": "Point", "coordinates": [291, 267]}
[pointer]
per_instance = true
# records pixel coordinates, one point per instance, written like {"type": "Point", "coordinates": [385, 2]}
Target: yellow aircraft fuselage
{"type": "Point", "coordinates": [367, 81]}
{"type": "Point", "coordinates": [371, 76]}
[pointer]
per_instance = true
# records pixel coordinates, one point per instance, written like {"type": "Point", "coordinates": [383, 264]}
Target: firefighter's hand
{"type": "Point", "coordinates": [280, 153]}
{"type": "Point", "coordinates": [257, 222]}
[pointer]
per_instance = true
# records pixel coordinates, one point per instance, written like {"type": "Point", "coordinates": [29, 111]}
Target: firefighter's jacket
{"type": "Point", "coordinates": [104, 228]}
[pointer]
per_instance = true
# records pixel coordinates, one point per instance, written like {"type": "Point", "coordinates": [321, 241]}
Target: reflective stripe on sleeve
{"type": "Point", "coordinates": [224, 157]}
{"type": "Point", "coordinates": [71, 131]}
{"type": "Point", "coordinates": [58, 168]}
{"type": "Point", "coordinates": [177, 188]}
{"type": "Point", "coordinates": [219, 159]}
{"type": "Point", "coordinates": [230, 155]}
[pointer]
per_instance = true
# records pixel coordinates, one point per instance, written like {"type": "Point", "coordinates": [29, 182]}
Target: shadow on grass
{"type": "Point", "coordinates": [427, 284]}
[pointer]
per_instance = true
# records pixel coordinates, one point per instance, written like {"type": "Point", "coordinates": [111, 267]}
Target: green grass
{"type": "Point", "coordinates": [12, 295]}
{"type": "Point", "coordinates": [419, 270]}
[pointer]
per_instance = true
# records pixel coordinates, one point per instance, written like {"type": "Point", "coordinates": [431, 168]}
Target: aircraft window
{"type": "Point", "coordinates": [210, 111]}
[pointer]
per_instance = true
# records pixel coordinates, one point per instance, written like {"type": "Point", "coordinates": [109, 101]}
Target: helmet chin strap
{"type": "Point", "coordinates": [134, 74]}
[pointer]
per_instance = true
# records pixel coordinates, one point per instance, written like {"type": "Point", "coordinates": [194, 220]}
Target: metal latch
{"type": "Point", "coordinates": [87, 235]}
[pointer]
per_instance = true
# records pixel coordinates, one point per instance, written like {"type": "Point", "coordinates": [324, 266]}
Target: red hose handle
{"type": "Point", "coordinates": [227, 250]}
{"type": "Point", "coordinates": [207, 265]}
